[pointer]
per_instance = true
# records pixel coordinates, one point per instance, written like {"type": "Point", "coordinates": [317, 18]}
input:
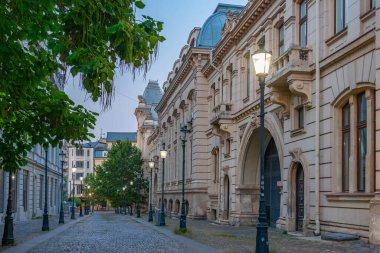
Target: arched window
{"type": "Point", "coordinates": [355, 142]}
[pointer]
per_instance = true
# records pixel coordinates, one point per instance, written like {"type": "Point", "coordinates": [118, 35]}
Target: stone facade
{"type": "Point", "coordinates": [28, 191]}
{"type": "Point", "coordinates": [322, 136]}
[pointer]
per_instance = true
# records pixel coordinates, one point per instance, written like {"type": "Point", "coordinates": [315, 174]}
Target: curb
{"type": "Point", "coordinates": [30, 244]}
{"type": "Point", "coordinates": [196, 246]}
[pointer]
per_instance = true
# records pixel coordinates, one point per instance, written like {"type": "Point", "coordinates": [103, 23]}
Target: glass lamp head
{"type": "Point", "coordinates": [261, 61]}
{"type": "Point", "coordinates": [163, 154]}
{"type": "Point", "coordinates": [73, 169]}
{"type": "Point", "coordinates": [131, 182]}
{"type": "Point", "coordinates": [81, 178]}
{"type": "Point", "coordinates": [151, 164]}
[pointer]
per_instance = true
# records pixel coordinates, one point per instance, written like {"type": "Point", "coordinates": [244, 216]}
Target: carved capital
{"type": "Point", "coordinates": [283, 98]}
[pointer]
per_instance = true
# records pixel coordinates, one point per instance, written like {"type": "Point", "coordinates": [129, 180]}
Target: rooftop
{"type": "Point", "coordinates": [121, 136]}
{"type": "Point", "coordinates": [211, 30]}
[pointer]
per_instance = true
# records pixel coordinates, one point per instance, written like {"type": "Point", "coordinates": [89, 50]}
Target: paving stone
{"type": "Point", "coordinates": [339, 237]}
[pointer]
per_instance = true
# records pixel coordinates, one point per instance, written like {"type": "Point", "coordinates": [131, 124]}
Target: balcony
{"type": "Point", "coordinates": [221, 114]}
{"type": "Point", "coordinates": [291, 75]}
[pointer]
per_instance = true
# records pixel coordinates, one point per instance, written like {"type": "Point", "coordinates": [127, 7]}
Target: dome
{"type": "Point", "coordinates": [211, 30]}
{"type": "Point", "coordinates": [152, 96]}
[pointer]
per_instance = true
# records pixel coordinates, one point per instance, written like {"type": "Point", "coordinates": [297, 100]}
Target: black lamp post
{"type": "Point", "coordinates": [125, 194]}
{"type": "Point", "coordinates": [45, 221]}
{"type": "Point", "coordinates": [61, 213]}
{"type": "Point", "coordinates": [182, 218]}
{"type": "Point", "coordinates": [86, 204]}
{"type": "Point", "coordinates": [8, 238]}
{"type": "Point", "coordinates": [163, 154]}
{"type": "Point", "coordinates": [138, 215]}
{"type": "Point", "coordinates": [131, 207]}
{"type": "Point", "coordinates": [73, 170]}
{"type": "Point", "coordinates": [81, 197]}
{"type": "Point", "coordinates": [150, 216]}
{"type": "Point", "coordinates": [261, 60]}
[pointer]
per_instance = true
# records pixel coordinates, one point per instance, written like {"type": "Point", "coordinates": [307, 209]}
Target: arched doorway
{"type": "Point", "coordinates": [226, 212]}
{"type": "Point", "coordinates": [300, 199]}
{"type": "Point", "coordinates": [272, 175]}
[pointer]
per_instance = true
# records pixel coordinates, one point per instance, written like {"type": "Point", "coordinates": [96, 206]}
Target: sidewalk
{"type": "Point", "coordinates": [27, 231]}
{"type": "Point", "coordinates": [242, 239]}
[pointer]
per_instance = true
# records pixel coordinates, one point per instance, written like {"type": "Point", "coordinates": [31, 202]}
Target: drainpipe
{"type": "Point", "coordinates": [317, 123]}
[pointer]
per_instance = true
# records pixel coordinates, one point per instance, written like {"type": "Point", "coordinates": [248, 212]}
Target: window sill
{"type": "Point", "coordinates": [297, 132]}
{"type": "Point", "coordinates": [337, 37]}
{"type": "Point", "coordinates": [369, 14]}
{"type": "Point", "coordinates": [245, 100]}
{"type": "Point", "coordinates": [227, 155]}
{"type": "Point", "coordinates": [346, 196]}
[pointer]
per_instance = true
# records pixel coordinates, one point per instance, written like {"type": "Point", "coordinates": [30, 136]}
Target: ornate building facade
{"type": "Point", "coordinates": [322, 139]}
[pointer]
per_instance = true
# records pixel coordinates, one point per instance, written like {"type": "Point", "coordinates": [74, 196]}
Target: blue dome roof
{"type": "Point", "coordinates": [152, 96]}
{"type": "Point", "coordinates": [211, 30]}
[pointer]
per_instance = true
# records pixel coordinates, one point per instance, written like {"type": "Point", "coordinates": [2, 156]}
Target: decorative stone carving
{"type": "Point", "coordinates": [302, 88]}
{"type": "Point", "coordinates": [296, 154]}
{"type": "Point", "coordinates": [226, 128]}
{"type": "Point", "coordinates": [230, 23]}
{"type": "Point", "coordinates": [255, 121]}
{"type": "Point", "coordinates": [282, 97]}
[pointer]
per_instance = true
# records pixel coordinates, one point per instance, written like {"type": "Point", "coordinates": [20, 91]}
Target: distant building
{"type": "Point", "coordinates": [82, 158]}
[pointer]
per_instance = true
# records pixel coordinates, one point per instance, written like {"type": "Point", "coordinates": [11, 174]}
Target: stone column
{"type": "Point", "coordinates": [374, 208]}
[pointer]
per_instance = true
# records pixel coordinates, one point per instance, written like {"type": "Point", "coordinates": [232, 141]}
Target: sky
{"type": "Point", "coordinates": [179, 17]}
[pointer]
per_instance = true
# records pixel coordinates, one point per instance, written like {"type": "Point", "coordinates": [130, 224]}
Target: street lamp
{"type": "Point", "coordinates": [130, 210]}
{"type": "Point", "coordinates": [8, 238]}
{"type": "Point", "coordinates": [45, 221]}
{"type": "Point", "coordinates": [81, 196]}
{"type": "Point", "coordinates": [73, 170]}
{"type": "Point", "coordinates": [261, 61]}
{"type": "Point", "coordinates": [86, 206]}
{"type": "Point", "coordinates": [182, 218]}
{"type": "Point", "coordinates": [138, 196]}
{"type": "Point", "coordinates": [61, 213]}
{"type": "Point", "coordinates": [163, 154]}
{"type": "Point", "coordinates": [150, 216]}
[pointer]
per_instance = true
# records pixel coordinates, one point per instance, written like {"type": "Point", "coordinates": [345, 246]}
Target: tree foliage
{"type": "Point", "coordinates": [40, 42]}
{"type": "Point", "coordinates": [119, 178]}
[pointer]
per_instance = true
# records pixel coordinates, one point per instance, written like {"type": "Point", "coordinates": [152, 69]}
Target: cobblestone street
{"type": "Point", "coordinates": [110, 232]}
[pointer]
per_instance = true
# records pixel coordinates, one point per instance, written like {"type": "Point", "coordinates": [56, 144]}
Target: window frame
{"type": "Point", "coordinates": [303, 21]}
{"type": "Point", "coordinates": [361, 125]}
{"type": "Point", "coordinates": [281, 42]}
{"type": "Point", "coordinates": [344, 21]}
{"type": "Point", "coordinates": [346, 129]}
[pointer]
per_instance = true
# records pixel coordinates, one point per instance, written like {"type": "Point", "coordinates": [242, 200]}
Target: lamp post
{"type": "Point", "coordinates": [163, 154]}
{"type": "Point", "coordinates": [86, 206]}
{"type": "Point", "coordinates": [182, 218]}
{"type": "Point", "coordinates": [150, 216]}
{"type": "Point", "coordinates": [90, 206]}
{"type": "Point", "coordinates": [138, 215]}
{"type": "Point", "coordinates": [261, 61]}
{"type": "Point", "coordinates": [73, 170]}
{"type": "Point", "coordinates": [81, 196]}
{"type": "Point", "coordinates": [8, 238]}
{"type": "Point", "coordinates": [125, 194]}
{"type": "Point", "coordinates": [45, 221]}
{"type": "Point", "coordinates": [130, 210]}
{"type": "Point", "coordinates": [61, 213]}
